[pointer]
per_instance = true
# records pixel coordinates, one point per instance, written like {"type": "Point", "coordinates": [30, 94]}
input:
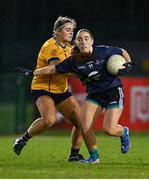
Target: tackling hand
{"type": "Point", "coordinates": [23, 72]}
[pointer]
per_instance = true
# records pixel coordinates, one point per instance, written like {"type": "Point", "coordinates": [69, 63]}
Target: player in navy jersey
{"type": "Point", "coordinates": [104, 90]}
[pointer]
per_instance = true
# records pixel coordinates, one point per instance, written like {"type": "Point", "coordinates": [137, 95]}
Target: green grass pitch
{"type": "Point", "coordinates": [45, 156]}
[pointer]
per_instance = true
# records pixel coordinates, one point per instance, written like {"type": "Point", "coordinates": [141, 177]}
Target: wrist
{"type": "Point", "coordinates": [34, 73]}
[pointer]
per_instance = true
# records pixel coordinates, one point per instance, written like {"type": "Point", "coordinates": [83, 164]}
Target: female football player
{"type": "Point", "coordinates": [104, 89]}
{"type": "Point", "coordinates": [51, 91]}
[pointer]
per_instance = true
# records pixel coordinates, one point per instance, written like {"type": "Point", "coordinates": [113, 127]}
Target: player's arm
{"type": "Point", "coordinates": [51, 69]}
{"type": "Point", "coordinates": [126, 55]}
{"type": "Point", "coordinates": [45, 70]}
{"type": "Point", "coordinates": [48, 55]}
{"type": "Point", "coordinates": [40, 71]}
{"type": "Point", "coordinates": [128, 65]}
{"type": "Point", "coordinates": [62, 67]}
{"type": "Point", "coordinates": [51, 56]}
{"type": "Point", "coordinates": [116, 50]}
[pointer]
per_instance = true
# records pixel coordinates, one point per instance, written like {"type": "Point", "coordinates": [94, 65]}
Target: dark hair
{"type": "Point", "coordinates": [61, 21]}
{"type": "Point", "coordinates": [85, 30]}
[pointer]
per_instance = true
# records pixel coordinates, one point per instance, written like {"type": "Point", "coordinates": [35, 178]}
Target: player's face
{"type": "Point", "coordinates": [65, 34]}
{"type": "Point", "coordinates": [84, 42]}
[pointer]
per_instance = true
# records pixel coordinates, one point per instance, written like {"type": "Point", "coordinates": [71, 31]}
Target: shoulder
{"type": "Point", "coordinates": [49, 45]}
{"type": "Point", "coordinates": [100, 47]}
{"type": "Point", "coordinates": [104, 48]}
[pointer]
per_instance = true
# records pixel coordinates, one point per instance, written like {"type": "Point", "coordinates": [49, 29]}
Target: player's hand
{"type": "Point", "coordinates": [23, 72]}
{"type": "Point", "coordinates": [127, 67]}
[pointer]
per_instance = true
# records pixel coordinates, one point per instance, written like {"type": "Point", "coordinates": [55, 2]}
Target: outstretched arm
{"type": "Point", "coordinates": [63, 68]}
{"type": "Point", "coordinates": [45, 70]}
{"type": "Point", "coordinates": [28, 73]}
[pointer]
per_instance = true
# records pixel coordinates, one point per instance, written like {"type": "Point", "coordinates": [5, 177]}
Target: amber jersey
{"type": "Point", "coordinates": [51, 51]}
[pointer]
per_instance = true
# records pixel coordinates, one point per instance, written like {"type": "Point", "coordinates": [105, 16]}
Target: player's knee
{"type": "Point", "coordinates": [75, 119]}
{"type": "Point", "coordinates": [49, 121]}
{"type": "Point", "coordinates": [76, 111]}
{"type": "Point", "coordinates": [85, 129]}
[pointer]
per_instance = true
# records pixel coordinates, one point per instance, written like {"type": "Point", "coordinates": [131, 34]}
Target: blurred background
{"type": "Point", "coordinates": [26, 25]}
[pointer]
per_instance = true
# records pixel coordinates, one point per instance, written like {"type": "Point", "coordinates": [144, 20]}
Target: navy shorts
{"type": "Point", "coordinates": [108, 99]}
{"type": "Point", "coordinates": [58, 98]}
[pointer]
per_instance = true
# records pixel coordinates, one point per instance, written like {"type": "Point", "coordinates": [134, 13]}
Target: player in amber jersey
{"type": "Point", "coordinates": [51, 91]}
{"type": "Point", "coordinates": [51, 52]}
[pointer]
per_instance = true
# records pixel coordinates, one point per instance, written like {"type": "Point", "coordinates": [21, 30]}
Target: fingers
{"type": "Point", "coordinates": [17, 69]}
{"type": "Point", "coordinates": [121, 70]}
{"type": "Point", "coordinates": [128, 63]}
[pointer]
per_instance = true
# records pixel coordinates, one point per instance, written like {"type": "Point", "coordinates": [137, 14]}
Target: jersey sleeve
{"type": "Point", "coordinates": [50, 53]}
{"type": "Point", "coordinates": [65, 67]}
{"type": "Point", "coordinates": [113, 50]}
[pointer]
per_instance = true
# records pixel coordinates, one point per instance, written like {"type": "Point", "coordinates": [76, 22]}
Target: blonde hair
{"type": "Point", "coordinates": [61, 21]}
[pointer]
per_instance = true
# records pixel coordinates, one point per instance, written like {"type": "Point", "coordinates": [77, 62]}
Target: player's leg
{"type": "Point", "coordinates": [89, 112]}
{"type": "Point", "coordinates": [114, 109]}
{"type": "Point", "coordinates": [110, 122]}
{"type": "Point", "coordinates": [112, 127]}
{"type": "Point", "coordinates": [47, 110]}
{"type": "Point", "coordinates": [70, 109]}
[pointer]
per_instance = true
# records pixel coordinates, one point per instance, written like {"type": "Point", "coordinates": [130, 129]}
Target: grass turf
{"type": "Point", "coordinates": [46, 157]}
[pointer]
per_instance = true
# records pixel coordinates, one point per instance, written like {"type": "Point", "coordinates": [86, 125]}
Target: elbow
{"type": "Point", "coordinates": [126, 55]}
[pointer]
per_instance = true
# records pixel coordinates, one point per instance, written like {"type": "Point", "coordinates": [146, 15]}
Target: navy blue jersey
{"type": "Point", "coordinates": [94, 72]}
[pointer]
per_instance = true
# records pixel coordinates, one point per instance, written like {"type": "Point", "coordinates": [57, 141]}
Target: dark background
{"type": "Point", "coordinates": [26, 24]}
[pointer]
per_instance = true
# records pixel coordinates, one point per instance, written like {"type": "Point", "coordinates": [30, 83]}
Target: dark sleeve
{"type": "Point", "coordinates": [65, 66]}
{"type": "Point", "coordinates": [113, 50]}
